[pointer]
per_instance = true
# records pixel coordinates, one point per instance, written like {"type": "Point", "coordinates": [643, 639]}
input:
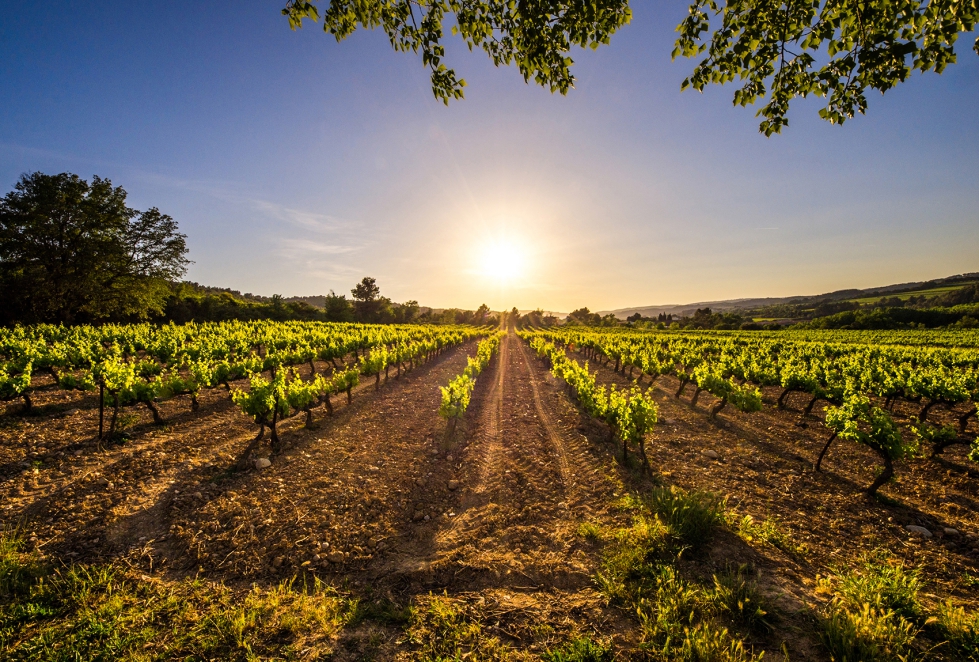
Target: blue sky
{"type": "Point", "coordinates": [297, 165]}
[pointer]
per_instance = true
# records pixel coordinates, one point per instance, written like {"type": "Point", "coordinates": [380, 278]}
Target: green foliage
{"type": "Point", "coordinates": [857, 420]}
{"type": "Point", "coordinates": [768, 531]}
{"type": "Point", "coordinates": [740, 600]}
{"type": "Point", "coordinates": [873, 611]}
{"type": "Point", "coordinates": [882, 585]}
{"type": "Point", "coordinates": [443, 632]}
{"type": "Point", "coordinates": [691, 517]}
{"type": "Point", "coordinates": [866, 634]}
{"type": "Point", "coordinates": [629, 414]}
{"type": "Point", "coordinates": [960, 631]}
{"type": "Point", "coordinates": [590, 531]}
{"type": "Point", "coordinates": [14, 385]}
{"type": "Point", "coordinates": [534, 37]}
{"type": "Point", "coordinates": [830, 49]}
{"type": "Point", "coordinates": [263, 398]}
{"type": "Point", "coordinates": [456, 396]}
{"type": "Point", "coordinates": [582, 649]}
{"type": "Point", "coordinates": [72, 251]}
{"type": "Point", "coordinates": [346, 380]}
{"type": "Point", "coordinates": [302, 395]}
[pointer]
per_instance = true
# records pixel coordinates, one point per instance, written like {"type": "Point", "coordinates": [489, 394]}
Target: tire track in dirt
{"type": "Point", "coordinates": [490, 427]}
{"type": "Point", "coordinates": [565, 446]}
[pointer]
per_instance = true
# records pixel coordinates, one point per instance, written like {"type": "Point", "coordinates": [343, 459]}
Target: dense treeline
{"type": "Point", "coordinates": [189, 302]}
{"type": "Point", "coordinates": [962, 316]}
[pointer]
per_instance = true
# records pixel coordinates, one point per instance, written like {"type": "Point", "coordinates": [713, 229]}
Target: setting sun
{"type": "Point", "coordinates": [504, 261]}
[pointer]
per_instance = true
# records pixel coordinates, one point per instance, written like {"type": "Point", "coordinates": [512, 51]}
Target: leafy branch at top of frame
{"type": "Point", "coordinates": [536, 35]}
{"type": "Point", "coordinates": [836, 49]}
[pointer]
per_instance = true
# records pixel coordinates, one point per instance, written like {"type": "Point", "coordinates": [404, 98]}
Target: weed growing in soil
{"type": "Point", "coordinates": [866, 634]}
{"type": "Point", "coordinates": [443, 632]}
{"type": "Point", "coordinates": [873, 612]}
{"type": "Point", "coordinates": [590, 531]}
{"type": "Point", "coordinates": [882, 585]}
{"type": "Point", "coordinates": [89, 612]}
{"type": "Point", "coordinates": [691, 517]}
{"type": "Point", "coordinates": [581, 650]}
{"type": "Point", "coordinates": [876, 614]}
{"type": "Point", "coordinates": [959, 630]}
{"type": "Point", "coordinates": [770, 532]}
{"type": "Point", "coordinates": [738, 597]}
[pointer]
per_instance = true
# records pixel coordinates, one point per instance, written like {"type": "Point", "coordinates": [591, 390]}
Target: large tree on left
{"type": "Point", "coordinates": [72, 251]}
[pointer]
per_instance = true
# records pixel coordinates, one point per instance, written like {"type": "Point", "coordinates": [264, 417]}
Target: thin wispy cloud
{"type": "Point", "coordinates": [295, 249]}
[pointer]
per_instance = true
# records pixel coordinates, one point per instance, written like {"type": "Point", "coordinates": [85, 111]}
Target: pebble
{"type": "Point", "coordinates": [949, 531]}
{"type": "Point", "coordinates": [420, 482]}
{"type": "Point", "coordinates": [712, 454]}
{"type": "Point", "coordinates": [262, 463]}
{"type": "Point", "coordinates": [920, 530]}
{"type": "Point", "coordinates": [335, 557]}
{"type": "Point", "coordinates": [449, 458]}
{"type": "Point", "coordinates": [453, 484]}
{"type": "Point", "coordinates": [418, 516]}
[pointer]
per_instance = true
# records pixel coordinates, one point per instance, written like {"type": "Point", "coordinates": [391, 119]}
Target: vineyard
{"type": "Point", "coordinates": [353, 491]}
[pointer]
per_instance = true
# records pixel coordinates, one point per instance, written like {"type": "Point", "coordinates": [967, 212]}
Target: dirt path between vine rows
{"type": "Point", "coordinates": [502, 537]}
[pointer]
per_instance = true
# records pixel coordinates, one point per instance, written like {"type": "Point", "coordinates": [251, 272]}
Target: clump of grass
{"type": "Point", "coordinates": [739, 598]}
{"type": "Point", "coordinates": [770, 532]}
{"type": "Point", "coordinates": [94, 612]}
{"type": "Point", "coordinates": [874, 612]}
{"type": "Point", "coordinates": [582, 649]}
{"type": "Point", "coordinates": [692, 517]}
{"type": "Point", "coordinates": [866, 634]}
{"type": "Point", "coordinates": [590, 531]}
{"type": "Point", "coordinates": [677, 621]}
{"type": "Point", "coordinates": [882, 585]}
{"type": "Point", "coordinates": [633, 558]}
{"type": "Point", "coordinates": [959, 630]}
{"type": "Point", "coordinates": [443, 633]}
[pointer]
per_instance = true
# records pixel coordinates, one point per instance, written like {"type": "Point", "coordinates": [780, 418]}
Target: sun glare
{"type": "Point", "coordinates": [503, 262]}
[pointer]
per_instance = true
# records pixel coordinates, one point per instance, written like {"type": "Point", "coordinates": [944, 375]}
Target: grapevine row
{"type": "Point", "coordinates": [143, 364]}
{"type": "Point", "coordinates": [457, 394]}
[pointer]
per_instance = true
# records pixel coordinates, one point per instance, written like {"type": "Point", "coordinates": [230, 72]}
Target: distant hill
{"type": "Point", "coordinates": [733, 305]}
